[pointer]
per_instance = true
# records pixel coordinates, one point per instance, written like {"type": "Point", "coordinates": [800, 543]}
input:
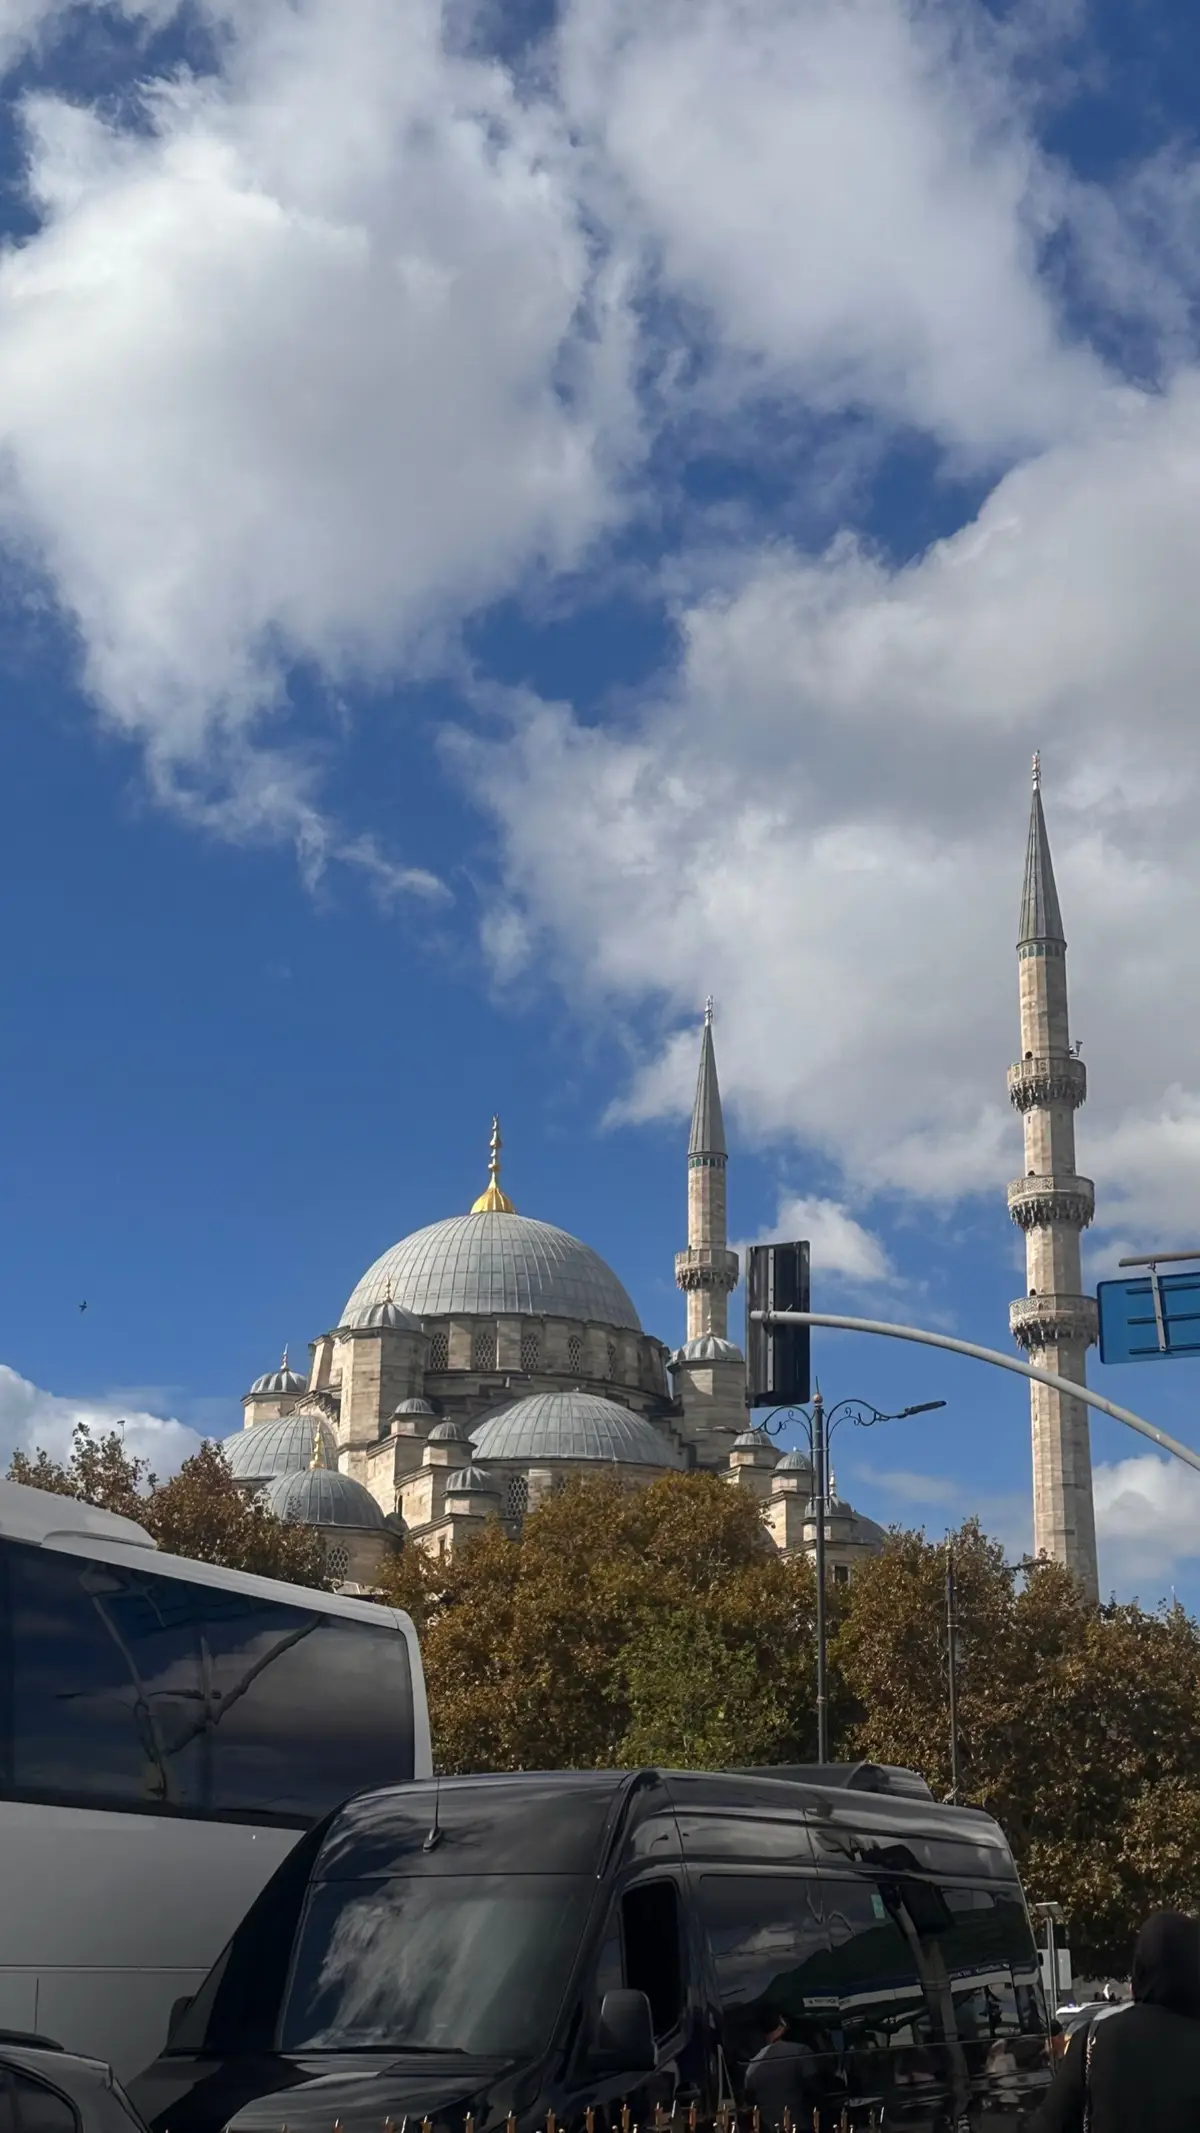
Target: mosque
{"type": "Point", "coordinates": [484, 1358]}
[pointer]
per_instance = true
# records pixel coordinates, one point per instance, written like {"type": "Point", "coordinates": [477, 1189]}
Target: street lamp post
{"type": "Point", "coordinates": [818, 1427]}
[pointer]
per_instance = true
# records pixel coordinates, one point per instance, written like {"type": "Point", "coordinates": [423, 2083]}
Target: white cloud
{"type": "Point", "coordinates": [299, 369]}
{"type": "Point", "coordinates": [1147, 1519]}
{"type": "Point", "coordinates": [849, 190]}
{"type": "Point", "coordinates": [32, 1420]}
{"type": "Point", "coordinates": [821, 818]}
{"type": "Point", "coordinates": [842, 1248]}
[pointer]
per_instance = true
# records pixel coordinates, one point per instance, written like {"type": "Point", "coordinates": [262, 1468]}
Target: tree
{"type": "Point", "coordinates": [1079, 1727]}
{"type": "Point", "coordinates": [627, 1625]}
{"type": "Point", "coordinates": [200, 1513]}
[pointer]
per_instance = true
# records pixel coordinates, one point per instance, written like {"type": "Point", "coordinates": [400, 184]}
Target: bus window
{"type": "Point", "coordinates": [874, 1970]}
{"type": "Point", "coordinates": [307, 1708]}
{"type": "Point", "coordinates": [771, 1959]}
{"type": "Point", "coordinates": [128, 1689]}
{"type": "Point", "coordinates": [989, 1957]}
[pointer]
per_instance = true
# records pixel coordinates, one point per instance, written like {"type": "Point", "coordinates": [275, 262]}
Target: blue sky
{"type": "Point", "coordinates": [513, 520]}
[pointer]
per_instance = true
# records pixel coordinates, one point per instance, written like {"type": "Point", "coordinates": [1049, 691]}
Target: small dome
{"type": "Point", "coordinates": [753, 1440]}
{"type": "Point", "coordinates": [322, 1497]}
{"type": "Point", "coordinates": [284, 1446]}
{"type": "Point", "coordinates": [413, 1407]}
{"type": "Point", "coordinates": [576, 1426]}
{"type": "Point", "coordinates": [447, 1433]}
{"type": "Point", "coordinates": [387, 1316]}
{"type": "Point", "coordinates": [282, 1380]}
{"type": "Point", "coordinates": [472, 1481]}
{"type": "Point", "coordinates": [708, 1348]}
{"type": "Point", "coordinates": [794, 1463]}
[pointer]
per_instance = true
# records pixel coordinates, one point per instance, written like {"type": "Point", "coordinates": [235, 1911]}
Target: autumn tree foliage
{"type": "Point", "coordinates": [1079, 1727]}
{"type": "Point", "coordinates": [626, 1626]}
{"type": "Point", "coordinates": [200, 1512]}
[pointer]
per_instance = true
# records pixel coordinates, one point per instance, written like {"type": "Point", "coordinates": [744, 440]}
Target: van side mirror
{"type": "Point", "coordinates": [625, 2042]}
{"type": "Point", "coordinates": [179, 2008]}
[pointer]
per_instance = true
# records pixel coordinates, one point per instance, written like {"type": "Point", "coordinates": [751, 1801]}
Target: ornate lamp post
{"type": "Point", "coordinates": [819, 1424]}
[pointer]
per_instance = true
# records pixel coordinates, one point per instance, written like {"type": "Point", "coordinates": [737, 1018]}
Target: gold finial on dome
{"type": "Point", "coordinates": [493, 1201]}
{"type": "Point", "coordinates": [318, 1461]}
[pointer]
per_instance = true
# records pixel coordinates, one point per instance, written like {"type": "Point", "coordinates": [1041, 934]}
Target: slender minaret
{"type": "Point", "coordinates": [708, 1270]}
{"type": "Point", "coordinates": [1055, 1323]}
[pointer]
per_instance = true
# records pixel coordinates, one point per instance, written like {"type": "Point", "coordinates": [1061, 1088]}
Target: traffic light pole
{"type": "Point", "coordinates": [985, 1355]}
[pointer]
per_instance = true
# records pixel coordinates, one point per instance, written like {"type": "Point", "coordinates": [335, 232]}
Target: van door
{"type": "Point", "coordinates": [779, 2021]}
{"type": "Point", "coordinates": [982, 1943]}
{"type": "Point", "coordinates": [645, 1947]}
{"type": "Point", "coordinates": [897, 2038]}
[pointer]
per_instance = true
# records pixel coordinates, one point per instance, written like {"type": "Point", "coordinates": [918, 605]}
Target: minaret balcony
{"type": "Point", "coordinates": [706, 1267]}
{"type": "Point", "coordinates": [1042, 1199]}
{"type": "Point", "coordinates": [1048, 1078]}
{"type": "Point", "coordinates": [1043, 1321]}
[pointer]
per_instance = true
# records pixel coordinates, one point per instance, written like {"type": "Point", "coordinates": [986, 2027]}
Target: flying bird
{"type": "Point", "coordinates": [83, 1307]}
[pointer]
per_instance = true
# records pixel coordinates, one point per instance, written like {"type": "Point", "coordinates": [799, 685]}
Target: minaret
{"type": "Point", "coordinates": [707, 1270]}
{"type": "Point", "coordinates": [1055, 1323]}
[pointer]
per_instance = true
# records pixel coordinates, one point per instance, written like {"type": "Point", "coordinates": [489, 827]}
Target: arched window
{"type": "Point", "coordinates": [337, 1563]}
{"type": "Point", "coordinates": [439, 1350]}
{"type": "Point", "coordinates": [483, 1348]}
{"type": "Point", "coordinates": [611, 1370]}
{"type": "Point", "coordinates": [531, 1349]}
{"type": "Point", "coordinates": [516, 1496]}
{"type": "Point", "coordinates": [574, 1352]}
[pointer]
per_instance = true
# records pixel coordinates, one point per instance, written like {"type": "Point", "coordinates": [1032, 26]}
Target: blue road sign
{"type": "Point", "coordinates": [1150, 1318]}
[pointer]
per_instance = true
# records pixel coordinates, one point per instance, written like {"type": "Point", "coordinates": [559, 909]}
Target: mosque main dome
{"type": "Point", "coordinates": [495, 1264]}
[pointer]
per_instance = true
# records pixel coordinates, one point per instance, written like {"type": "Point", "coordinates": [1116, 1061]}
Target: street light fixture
{"type": "Point", "coordinates": [819, 1425]}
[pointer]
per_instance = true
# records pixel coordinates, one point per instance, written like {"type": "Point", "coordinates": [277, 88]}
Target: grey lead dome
{"type": "Point", "coordinates": [492, 1265]}
{"type": "Point", "coordinates": [284, 1446]}
{"type": "Point", "coordinates": [322, 1497]}
{"type": "Point", "coordinates": [576, 1426]}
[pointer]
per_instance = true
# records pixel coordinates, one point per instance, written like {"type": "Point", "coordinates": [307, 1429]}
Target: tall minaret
{"type": "Point", "coordinates": [1055, 1323]}
{"type": "Point", "coordinates": [708, 1270]}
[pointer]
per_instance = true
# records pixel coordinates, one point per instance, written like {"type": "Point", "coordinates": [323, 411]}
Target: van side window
{"type": "Point", "coordinates": [991, 1963]}
{"type": "Point", "coordinates": [874, 1970]}
{"type": "Point", "coordinates": [771, 1959]}
{"type": "Point", "coordinates": [653, 1965]}
{"type": "Point", "coordinates": [30, 2106]}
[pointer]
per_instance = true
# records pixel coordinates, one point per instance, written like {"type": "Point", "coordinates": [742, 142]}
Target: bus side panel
{"type": "Point", "coordinates": [108, 1918]}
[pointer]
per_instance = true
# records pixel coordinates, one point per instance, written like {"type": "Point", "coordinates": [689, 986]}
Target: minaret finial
{"type": "Point", "coordinates": [283, 1365]}
{"type": "Point", "coordinates": [1037, 769]}
{"type": "Point", "coordinates": [493, 1201]}
{"type": "Point", "coordinates": [317, 1462]}
{"type": "Point", "coordinates": [708, 1012]}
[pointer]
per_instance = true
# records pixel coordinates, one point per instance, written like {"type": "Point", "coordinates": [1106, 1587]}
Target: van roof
{"type": "Point", "coordinates": [570, 1821]}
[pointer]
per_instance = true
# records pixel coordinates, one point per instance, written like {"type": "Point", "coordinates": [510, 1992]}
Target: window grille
{"type": "Point", "coordinates": [531, 1351]}
{"type": "Point", "coordinates": [483, 1348]}
{"type": "Point", "coordinates": [612, 1360]}
{"type": "Point", "coordinates": [337, 1562]}
{"type": "Point", "coordinates": [516, 1496]}
{"type": "Point", "coordinates": [574, 1352]}
{"type": "Point", "coordinates": [439, 1350]}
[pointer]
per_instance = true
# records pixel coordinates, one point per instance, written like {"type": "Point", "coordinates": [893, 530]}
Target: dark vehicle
{"type": "Point", "coordinates": [44, 2089]}
{"type": "Point", "coordinates": [532, 1943]}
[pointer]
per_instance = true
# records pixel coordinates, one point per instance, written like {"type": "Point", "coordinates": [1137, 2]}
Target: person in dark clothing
{"type": "Point", "coordinates": [1145, 2059]}
{"type": "Point", "coordinates": [782, 2077]}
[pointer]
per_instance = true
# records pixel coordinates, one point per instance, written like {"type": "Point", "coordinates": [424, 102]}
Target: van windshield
{"type": "Point", "coordinates": [477, 1964]}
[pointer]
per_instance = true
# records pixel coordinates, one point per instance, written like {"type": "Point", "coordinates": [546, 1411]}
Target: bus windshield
{"type": "Point", "coordinates": [476, 1964]}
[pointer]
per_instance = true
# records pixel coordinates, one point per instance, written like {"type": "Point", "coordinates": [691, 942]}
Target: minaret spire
{"type": "Point", "coordinates": [707, 1270]}
{"type": "Point", "coordinates": [1055, 1323]}
{"type": "Point", "coordinates": [493, 1201]}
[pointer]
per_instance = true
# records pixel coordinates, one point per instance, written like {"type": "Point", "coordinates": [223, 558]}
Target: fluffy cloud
{"type": "Point", "coordinates": [301, 365]}
{"type": "Point", "coordinates": [31, 1419]}
{"type": "Point", "coordinates": [1147, 1519]}
{"type": "Point", "coordinates": [843, 1249]}
{"type": "Point", "coordinates": [821, 817]}
{"type": "Point", "coordinates": [848, 191]}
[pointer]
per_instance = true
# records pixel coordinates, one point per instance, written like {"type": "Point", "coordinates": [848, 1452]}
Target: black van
{"type": "Point", "coordinates": [503, 1947]}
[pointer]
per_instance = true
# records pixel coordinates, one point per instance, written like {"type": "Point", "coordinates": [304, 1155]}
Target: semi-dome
{"type": "Point", "coordinates": [708, 1348]}
{"type": "Point", "coordinates": [285, 1446]}
{"type": "Point", "coordinates": [492, 1264]}
{"type": "Point", "coordinates": [472, 1481]}
{"type": "Point", "coordinates": [575, 1426]}
{"type": "Point", "coordinates": [320, 1496]}
{"type": "Point", "coordinates": [387, 1316]}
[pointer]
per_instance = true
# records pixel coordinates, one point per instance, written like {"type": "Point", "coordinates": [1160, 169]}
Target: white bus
{"type": "Point", "coordinates": [167, 1731]}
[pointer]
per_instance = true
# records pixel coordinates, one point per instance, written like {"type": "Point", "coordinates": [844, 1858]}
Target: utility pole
{"type": "Point", "coordinates": [819, 1499]}
{"type": "Point", "coordinates": [952, 1666]}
